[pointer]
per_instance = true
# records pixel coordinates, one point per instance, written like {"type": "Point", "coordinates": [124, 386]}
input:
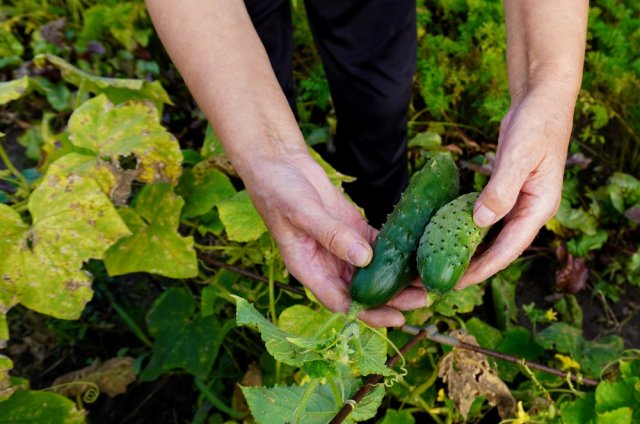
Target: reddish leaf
{"type": "Point", "coordinates": [633, 214]}
{"type": "Point", "coordinates": [572, 277]}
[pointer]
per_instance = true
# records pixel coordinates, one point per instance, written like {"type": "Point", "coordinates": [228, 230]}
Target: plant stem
{"type": "Point", "coordinates": [24, 184]}
{"type": "Point", "coordinates": [215, 400]}
{"type": "Point", "coordinates": [302, 404]}
{"type": "Point", "coordinates": [129, 322]}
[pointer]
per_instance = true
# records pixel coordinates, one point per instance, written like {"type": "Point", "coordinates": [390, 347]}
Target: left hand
{"type": "Point", "coordinates": [525, 187]}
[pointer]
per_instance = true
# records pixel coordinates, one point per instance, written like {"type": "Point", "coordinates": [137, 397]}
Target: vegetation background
{"type": "Point", "coordinates": [118, 207]}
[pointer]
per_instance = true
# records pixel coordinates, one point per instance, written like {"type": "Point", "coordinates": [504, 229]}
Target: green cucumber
{"type": "Point", "coordinates": [393, 265]}
{"type": "Point", "coordinates": [448, 242]}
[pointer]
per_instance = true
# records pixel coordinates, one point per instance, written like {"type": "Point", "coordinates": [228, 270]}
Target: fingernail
{"type": "Point", "coordinates": [483, 216]}
{"type": "Point", "coordinates": [359, 255]}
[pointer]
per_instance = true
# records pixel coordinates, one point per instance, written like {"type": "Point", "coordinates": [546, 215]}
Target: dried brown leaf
{"type": "Point", "coordinates": [252, 378]}
{"type": "Point", "coordinates": [112, 377]}
{"type": "Point", "coordinates": [468, 375]}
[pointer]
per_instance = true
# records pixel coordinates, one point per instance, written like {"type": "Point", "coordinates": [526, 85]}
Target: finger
{"type": "Point", "coordinates": [517, 234]}
{"type": "Point", "coordinates": [513, 166]}
{"type": "Point", "coordinates": [333, 294]}
{"type": "Point", "coordinates": [409, 299]}
{"type": "Point", "coordinates": [382, 317]}
{"type": "Point", "coordinates": [338, 238]}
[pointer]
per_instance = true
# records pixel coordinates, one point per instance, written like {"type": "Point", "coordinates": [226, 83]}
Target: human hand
{"type": "Point", "coordinates": [526, 183]}
{"type": "Point", "coordinates": [321, 235]}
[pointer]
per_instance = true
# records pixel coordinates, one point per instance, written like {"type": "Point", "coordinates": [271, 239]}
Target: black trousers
{"type": "Point", "coordinates": [368, 49]}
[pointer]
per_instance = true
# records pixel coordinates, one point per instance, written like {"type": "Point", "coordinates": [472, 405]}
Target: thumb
{"type": "Point", "coordinates": [501, 192]}
{"type": "Point", "coordinates": [335, 236]}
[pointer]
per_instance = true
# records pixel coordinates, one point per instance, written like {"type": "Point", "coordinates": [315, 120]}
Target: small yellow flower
{"type": "Point", "coordinates": [521, 416]}
{"type": "Point", "coordinates": [568, 363]}
{"type": "Point", "coordinates": [551, 315]}
{"type": "Point", "coordinates": [441, 395]}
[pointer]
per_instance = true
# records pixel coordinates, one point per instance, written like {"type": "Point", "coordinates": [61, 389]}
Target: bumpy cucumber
{"type": "Point", "coordinates": [448, 242]}
{"type": "Point", "coordinates": [393, 265]}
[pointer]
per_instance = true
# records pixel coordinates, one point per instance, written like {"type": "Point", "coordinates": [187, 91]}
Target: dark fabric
{"type": "Point", "coordinates": [368, 49]}
{"type": "Point", "coordinates": [272, 21]}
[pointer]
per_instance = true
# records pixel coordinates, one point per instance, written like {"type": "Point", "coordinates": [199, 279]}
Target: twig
{"type": "Point", "coordinates": [219, 264]}
{"type": "Point", "coordinates": [432, 334]}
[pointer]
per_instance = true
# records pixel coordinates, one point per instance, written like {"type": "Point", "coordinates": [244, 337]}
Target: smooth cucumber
{"type": "Point", "coordinates": [448, 242]}
{"type": "Point", "coordinates": [393, 265]}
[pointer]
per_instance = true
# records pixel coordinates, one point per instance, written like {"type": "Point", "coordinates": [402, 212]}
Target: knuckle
{"type": "Point", "coordinates": [332, 238]}
{"type": "Point", "coordinates": [499, 198]}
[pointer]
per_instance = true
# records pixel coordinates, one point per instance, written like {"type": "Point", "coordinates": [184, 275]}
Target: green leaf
{"type": "Point", "coordinates": [561, 337]}
{"type": "Point", "coordinates": [617, 416]}
{"type": "Point", "coordinates": [459, 301]}
{"type": "Point", "coordinates": [276, 340]}
{"type": "Point", "coordinates": [585, 243]}
{"type": "Point", "coordinates": [598, 353]}
{"type": "Point", "coordinates": [580, 411]}
{"type": "Point", "coordinates": [302, 321]}
{"type": "Point", "coordinates": [202, 191]}
{"type": "Point", "coordinates": [613, 395]}
{"type": "Point", "coordinates": [32, 140]}
{"type": "Point", "coordinates": [118, 90]}
{"type": "Point", "coordinates": [486, 335]}
{"type": "Point", "coordinates": [10, 48]}
{"type": "Point", "coordinates": [183, 338]}
{"type": "Point", "coordinates": [44, 407]}
{"type": "Point", "coordinates": [427, 140]}
{"type": "Point", "coordinates": [397, 417]}
{"type": "Point", "coordinates": [576, 219]}
{"type": "Point", "coordinates": [630, 368]}
{"type": "Point", "coordinates": [108, 134]}
{"type": "Point", "coordinates": [240, 218]}
{"type": "Point", "coordinates": [155, 246]}
{"type": "Point", "coordinates": [624, 191]}
{"type": "Point", "coordinates": [278, 404]}
{"type": "Point", "coordinates": [211, 146]}
{"type": "Point", "coordinates": [372, 355]}
{"type": "Point", "coordinates": [120, 19]}
{"type": "Point", "coordinates": [57, 94]}
{"type": "Point", "coordinates": [516, 341]}
{"type": "Point", "coordinates": [73, 221]}
{"type": "Point", "coordinates": [12, 90]}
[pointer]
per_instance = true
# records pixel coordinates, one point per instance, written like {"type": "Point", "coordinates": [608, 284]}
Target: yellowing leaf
{"type": "Point", "coordinates": [117, 90]}
{"type": "Point", "coordinates": [12, 90]}
{"type": "Point", "coordinates": [41, 265]}
{"type": "Point", "coordinates": [155, 245]}
{"type": "Point", "coordinates": [5, 385]}
{"type": "Point", "coordinates": [40, 407]}
{"type": "Point", "coordinates": [106, 134]}
{"type": "Point", "coordinates": [240, 218]}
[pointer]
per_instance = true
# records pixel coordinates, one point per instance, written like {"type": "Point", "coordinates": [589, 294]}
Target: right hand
{"type": "Point", "coordinates": [320, 234]}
